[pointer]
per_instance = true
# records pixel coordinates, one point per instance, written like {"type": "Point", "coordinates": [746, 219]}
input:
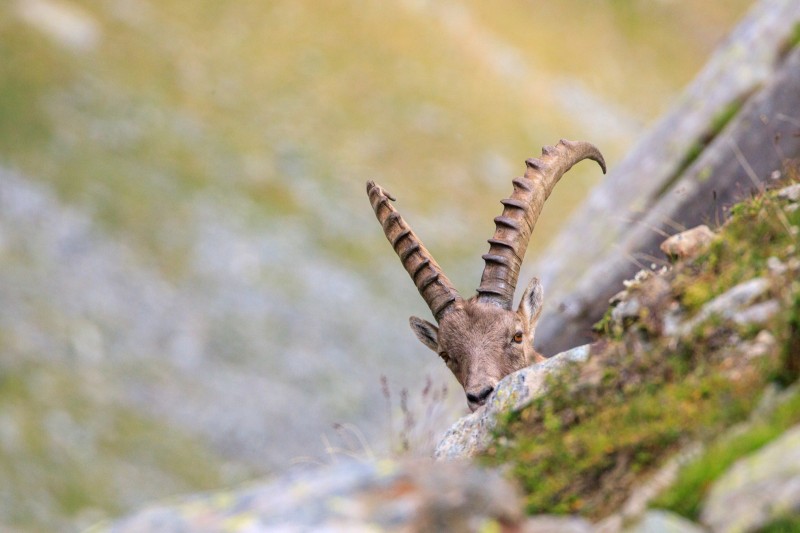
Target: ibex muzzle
{"type": "Point", "coordinates": [481, 339]}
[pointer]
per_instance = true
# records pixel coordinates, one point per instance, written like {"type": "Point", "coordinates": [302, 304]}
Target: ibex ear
{"type": "Point", "coordinates": [530, 307]}
{"type": "Point", "coordinates": [425, 332]}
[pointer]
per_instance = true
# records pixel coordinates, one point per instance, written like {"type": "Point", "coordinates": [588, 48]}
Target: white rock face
{"type": "Point", "coordinates": [347, 497]}
{"type": "Point", "coordinates": [470, 434]}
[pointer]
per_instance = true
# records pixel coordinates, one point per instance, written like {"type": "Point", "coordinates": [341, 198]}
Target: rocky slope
{"type": "Point", "coordinates": [684, 417]}
{"type": "Point", "coordinates": [185, 249]}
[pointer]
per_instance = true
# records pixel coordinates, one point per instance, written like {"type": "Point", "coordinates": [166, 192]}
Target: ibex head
{"type": "Point", "coordinates": [481, 339]}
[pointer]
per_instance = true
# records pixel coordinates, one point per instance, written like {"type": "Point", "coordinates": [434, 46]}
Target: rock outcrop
{"type": "Point", "coordinates": [471, 434]}
{"type": "Point", "coordinates": [730, 131]}
{"type": "Point", "coordinates": [455, 495]}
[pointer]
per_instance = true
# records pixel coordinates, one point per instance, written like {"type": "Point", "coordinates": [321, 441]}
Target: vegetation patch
{"type": "Point", "coordinates": [686, 494]}
{"type": "Point", "coordinates": [608, 423]}
{"type": "Point", "coordinates": [786, 524]}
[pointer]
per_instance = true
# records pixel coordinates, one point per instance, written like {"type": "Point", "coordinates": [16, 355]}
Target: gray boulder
{"type": "Point", "coordinates": [471, 434]}
{"type": "Point", "coordinates": [657, 521]}
{"type": "Point", "coordinates": [557, 524]}
{"type": "Point", "coordinates": [757, 489]}
{"type": "Point", "coordinates": [348, 497]}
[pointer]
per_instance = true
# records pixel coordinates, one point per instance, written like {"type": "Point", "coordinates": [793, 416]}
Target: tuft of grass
{"type": "Point", "coordinates": [412, 424]}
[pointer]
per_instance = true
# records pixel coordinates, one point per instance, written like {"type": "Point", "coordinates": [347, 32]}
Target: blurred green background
{"type": "Point", "coordinates": [193, 288]}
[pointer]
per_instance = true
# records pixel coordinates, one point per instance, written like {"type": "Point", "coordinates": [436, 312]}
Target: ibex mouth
{"type": "Point", "coordinates": [475, 406]}
{"type": "Point", "coordinates": [475, 400]}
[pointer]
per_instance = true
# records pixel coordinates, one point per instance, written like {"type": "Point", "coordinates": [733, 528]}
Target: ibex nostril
{"type": "Point", "coordinates": [480, 398]}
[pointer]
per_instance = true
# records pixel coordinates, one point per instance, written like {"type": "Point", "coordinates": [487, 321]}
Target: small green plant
{"type": "Point", "coordinates": [605, 327]}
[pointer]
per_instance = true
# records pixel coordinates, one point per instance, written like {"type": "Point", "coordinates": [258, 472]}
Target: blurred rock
{"type": "Point", "coordinates": [689, 243]}
{"type": "Point", "coordinates": [64, 22]}
{"type": "Point", "coordinates": [757, 314]}
{"type": "Point", "coordinates": [557, 524]}
{"type": "Point", "coordinates": [791, 193]}
{"type": "Point", "coordinates": [735, 305]}
{"type": "Point", "coordinates": [646, 299]}
{"type": "Point", "coordinates": [762, 345]}
{"type": "Point", "coordinates": [472, 433]}
{"type": "Point", "coordinates": [776, 266]}
{"type": "Point", "coordinates": [757, 489]}
{"type": "Point", "coordinates": [657, 521]}
{"type": "Point", "coordinates": [636, 506]}
{"type": "Point", "coordinates": [347, 497]}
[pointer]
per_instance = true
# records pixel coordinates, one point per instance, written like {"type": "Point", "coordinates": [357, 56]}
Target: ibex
{"type": "Point", "coordinates": [481, 339]}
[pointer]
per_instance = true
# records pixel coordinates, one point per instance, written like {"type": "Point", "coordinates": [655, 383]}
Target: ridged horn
{"type": "Point", "coordinates": [520, 213]}
{"type": "Point", "coordinates": [437, 291]}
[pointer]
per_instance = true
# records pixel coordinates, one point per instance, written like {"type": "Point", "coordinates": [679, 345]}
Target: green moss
{"type": "Point", "coordinates": [785, 524]}
{"type": "Point", "coordinates": [754, 233]}
{"type": "Point", "coordinates": [722, 118]}
{"type": "Point", "coordinates": [606, 326]}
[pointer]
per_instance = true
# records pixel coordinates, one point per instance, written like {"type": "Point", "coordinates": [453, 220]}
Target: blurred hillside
{"type": "Point", "coordinates": [187, 257]}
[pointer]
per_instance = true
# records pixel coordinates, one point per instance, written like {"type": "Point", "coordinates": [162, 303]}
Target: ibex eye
{"type": "Point", "coordinates": [517, 337]}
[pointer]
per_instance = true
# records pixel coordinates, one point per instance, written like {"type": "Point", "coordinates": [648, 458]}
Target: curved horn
{"type": "Point", "coordinates": [521, 211]}
{"type": "Point", "coordinates": [433, 285]}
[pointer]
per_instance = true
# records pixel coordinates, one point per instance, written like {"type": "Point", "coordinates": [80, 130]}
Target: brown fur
{"type": "Point", "coordinates": [476, 341]}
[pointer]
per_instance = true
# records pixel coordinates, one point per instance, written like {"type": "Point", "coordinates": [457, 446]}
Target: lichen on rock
{"type": "Point", "coordinates": [472, 433]}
